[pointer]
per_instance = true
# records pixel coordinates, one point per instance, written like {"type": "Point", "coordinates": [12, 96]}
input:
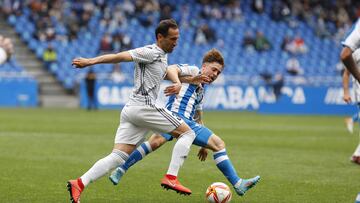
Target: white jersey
{"type": "Point", "coordinates": [352, 40]}
{"type": "Point", "coordinates": [356, 84]}
{"type": "Point", "coordinates": [150, 69]}
{"type": "Point", "coordinates": [190, 97]}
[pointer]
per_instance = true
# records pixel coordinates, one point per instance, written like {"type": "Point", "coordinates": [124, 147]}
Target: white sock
{"type": "Point", "coordinates": [357, 151]}
{"type": "Point", "coordinates": [180, 152]}
{"type": "Point", "coordinates": [357, 200]}
{"type": "Point", "coordinates": [103, 166]}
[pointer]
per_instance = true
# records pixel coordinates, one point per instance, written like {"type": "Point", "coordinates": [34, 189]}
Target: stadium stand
{"type": "Point", "coordinates": [17, 87]}
{"type": "Point", "coordinates": [77, 28]}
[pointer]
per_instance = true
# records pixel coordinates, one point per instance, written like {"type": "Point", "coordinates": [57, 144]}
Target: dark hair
{"type": "Point", "coordinates": [213, 55]}
{"type": "Point", "coordinates": [163, 27]}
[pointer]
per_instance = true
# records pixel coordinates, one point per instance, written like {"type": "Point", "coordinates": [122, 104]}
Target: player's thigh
{"type": "Point", "coordinates": [202, 134]}
{"type": "Point", "coordinates": [128, 132]}
{"type": "Point", "coordinates": [157, 140]}
{"type": "Point", "coordinates": [215, 143]}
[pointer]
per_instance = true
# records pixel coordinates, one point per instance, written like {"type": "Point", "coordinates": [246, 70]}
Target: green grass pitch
{"type": "Point", "coordinates": [299, 158]}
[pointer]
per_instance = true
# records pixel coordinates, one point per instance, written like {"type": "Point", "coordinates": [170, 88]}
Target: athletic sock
{"type": "Point", "coordinates": [357, 200]}
{"type": "Point", "coordinates": [80, 183]}
{"type": "Point", "coordinates": [180, 152]}
{"type": "Point", "coordinates": [170, 177]}
{"type": "Point", "coordinates": [104, 165]}
{"type": "Point", "coordinates": [225, 166]}
{"type": "Point", "coordinates": [138, 154]}
{"type": "Point", "coordinates": [357, 151]}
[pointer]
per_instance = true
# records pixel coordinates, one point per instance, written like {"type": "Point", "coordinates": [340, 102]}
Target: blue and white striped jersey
{"type": "Point", "coordinates": [190, 97]}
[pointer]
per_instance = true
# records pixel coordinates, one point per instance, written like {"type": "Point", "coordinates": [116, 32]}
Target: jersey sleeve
{"type": "Point", "coordinates": [145, 54]}
{"type": "Point", "coordinates": [187, 70]}
{"type": "Point", "coordinates": [352, 39]}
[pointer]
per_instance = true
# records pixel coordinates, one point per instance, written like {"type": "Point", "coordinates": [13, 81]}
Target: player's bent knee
{"type": "Point", "coordinates": [156, 141]}
{"type": "Point", "coordinates": [183, 128]}
{"type": "Point", "coordinates": [180, 130]}
{"type": "Point", "coordinates": [216, 143]}
{"type": "Point", "coordinates": [221, 145]}
{"type": "Point", "coordinates": [127, 148]}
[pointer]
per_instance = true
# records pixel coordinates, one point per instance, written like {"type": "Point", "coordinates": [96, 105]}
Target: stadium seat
{"type": "Point", "coordinates": [320, 57]}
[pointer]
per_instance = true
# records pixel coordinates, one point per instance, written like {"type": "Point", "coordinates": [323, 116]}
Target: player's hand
{"type": "Point", "coordinates": [347, 98]}
{"type": "Point", "coordinates": [202, 154]}
{"type": "Point", "coordinates": [81, 62]}
{"type": "Point", "coordinates": [172, 89]}
{"type": "Point", "coordinates": [200, 79]}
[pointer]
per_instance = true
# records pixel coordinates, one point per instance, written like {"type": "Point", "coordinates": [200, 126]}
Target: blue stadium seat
{"type": "Point", "coordinates": [323, 53]}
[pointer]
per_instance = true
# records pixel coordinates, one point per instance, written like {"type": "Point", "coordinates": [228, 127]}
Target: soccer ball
{"type": "Point", "coordinates": [218, 193]}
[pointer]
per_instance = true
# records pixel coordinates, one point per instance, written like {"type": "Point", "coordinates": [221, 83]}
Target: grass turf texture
{"type": "Point", "coordinates": [299, 158]}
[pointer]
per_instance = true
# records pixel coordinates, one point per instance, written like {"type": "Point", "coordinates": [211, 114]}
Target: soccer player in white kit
{"type": "Point", "coordinates": [347, 98]}
{"type": "Point", "coordinates": [350, 58]}
{"type": "Point", "coordinates": [141, 115]}
{"type": "Point", "coordinates": [351, 43]}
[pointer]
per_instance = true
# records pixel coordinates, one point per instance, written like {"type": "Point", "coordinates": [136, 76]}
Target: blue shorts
{"type": "Point", "coordinates": [202, 133]}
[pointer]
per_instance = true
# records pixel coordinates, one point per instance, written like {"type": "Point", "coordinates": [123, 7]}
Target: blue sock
{"type": "Point", "coordinates": [138, 154]}
{"type": "Point", "coordinates": [224, 164]}
{"type": "Point", "coordinates": [355, 117]}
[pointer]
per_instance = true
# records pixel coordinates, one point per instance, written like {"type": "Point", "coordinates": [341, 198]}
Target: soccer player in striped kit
{"type": "Point", "coordinates": [188, 106]}
{"type": "Point", "coordinates": [141, 115]}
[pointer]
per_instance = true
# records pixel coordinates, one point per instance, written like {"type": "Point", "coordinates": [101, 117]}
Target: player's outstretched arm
{"type": "Point", "coordinates": [174, 71]}
{"type": "Point", "coordinates": [348, 60]}
{"type": "Point", "coordinates": [107, 58]}
{"type": "Point", "coordinates": [345, 81]}
{"type": "Point", "coordinates": [196, 80]}
{"type": "Point", "coordinates": [172, 74]}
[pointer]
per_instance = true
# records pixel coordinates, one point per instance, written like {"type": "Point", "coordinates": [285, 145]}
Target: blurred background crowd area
{"type": "Point", "coordinates": [298, 39]}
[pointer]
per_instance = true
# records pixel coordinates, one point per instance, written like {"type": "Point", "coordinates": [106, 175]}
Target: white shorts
{"type": "Point", "coordinates": [137, 121]}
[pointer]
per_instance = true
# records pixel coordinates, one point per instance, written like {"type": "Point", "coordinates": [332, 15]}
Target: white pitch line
{"type": "Point", "coordinates": [279, 128]}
